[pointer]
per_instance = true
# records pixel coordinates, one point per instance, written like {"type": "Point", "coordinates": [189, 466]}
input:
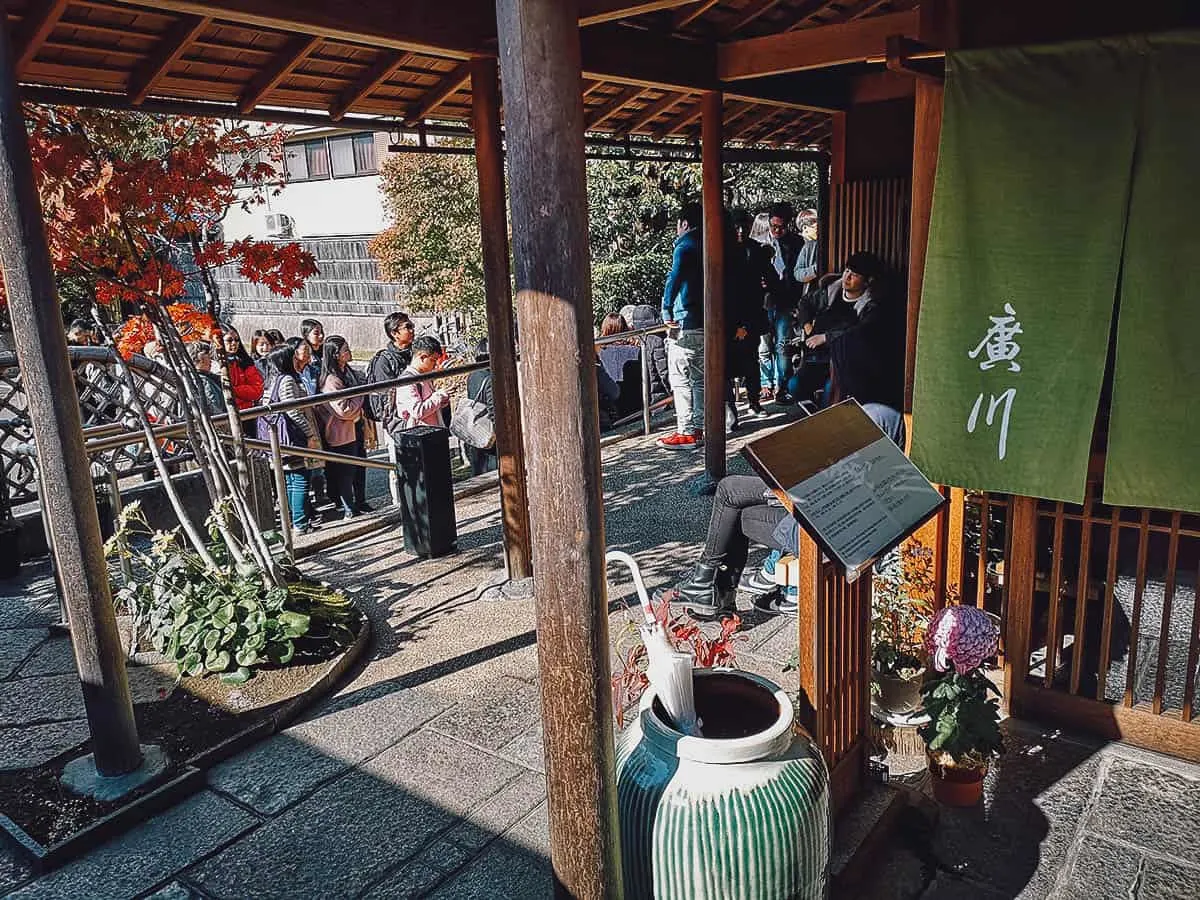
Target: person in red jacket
{"type": "Point", "coordinates": [244, 378]}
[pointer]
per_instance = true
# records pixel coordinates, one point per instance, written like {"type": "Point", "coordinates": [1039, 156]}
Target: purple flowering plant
{"type": "Point", "coordinates": [964, 717]}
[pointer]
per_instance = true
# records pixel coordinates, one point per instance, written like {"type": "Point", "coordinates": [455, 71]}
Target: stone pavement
{"type": "Point", "coordinates": [423, 775]}
{"type": "Point", "coordinates": [1063, 817]}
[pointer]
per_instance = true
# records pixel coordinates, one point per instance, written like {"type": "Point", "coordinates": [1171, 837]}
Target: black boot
{"type": "Point", "coordinates": [707, 592]}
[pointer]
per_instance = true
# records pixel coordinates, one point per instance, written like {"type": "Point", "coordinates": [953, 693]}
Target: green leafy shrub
{"type": "Point", "coordinates": [964, 721]}
{"type": "Point", "coordinates": [228, 621]}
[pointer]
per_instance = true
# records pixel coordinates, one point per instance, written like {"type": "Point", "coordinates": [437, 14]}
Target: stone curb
{"type": "Point", "coordinates": [193, 777]}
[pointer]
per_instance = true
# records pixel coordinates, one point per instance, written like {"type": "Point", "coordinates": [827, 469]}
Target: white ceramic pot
{"type": "Point", "coordinates": [742, 814]}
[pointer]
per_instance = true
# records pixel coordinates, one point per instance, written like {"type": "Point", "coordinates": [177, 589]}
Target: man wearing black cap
{"type": "Point", "coordinates": [848, 304]}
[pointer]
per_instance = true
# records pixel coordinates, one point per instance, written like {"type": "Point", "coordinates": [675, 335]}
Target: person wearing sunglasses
{"type": "Point", "coordinates": [388, 364]}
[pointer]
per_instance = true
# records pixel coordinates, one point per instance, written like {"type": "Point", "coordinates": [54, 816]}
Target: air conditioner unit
{"type": "Point", "coordinates": [280, 225]}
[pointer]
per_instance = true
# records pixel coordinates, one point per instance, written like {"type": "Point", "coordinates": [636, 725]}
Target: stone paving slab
{"type": "Point", "coordinates": [15, 867]}
{"type": "Point", "coordinates": [136, 861]}
{"type": "Point", "coordinates": [496, 715]}
{"type": "Point", "coordinates": [16, 645]}
{"type": "Point", "coordinates": [1151, 808]}
{"type": "Point", "coordinates": [54, 657]}
{"type": "Point", "coordinates": [24, 747]}
{"type": "Point", "coordinates": [54, 698]}
{"type": "Point", "coordinates": [502, 872]}
{"type": "Point", "coordinates": [342, 838]}
{"type": "Point", "coordinates": [281, 770]}
{"type": "Point", "coordinates": [496, 815]}
{"type": "Point", "coordinates": [1169, 880]}
{"type": "Point", "coordinates": [1101, 869]}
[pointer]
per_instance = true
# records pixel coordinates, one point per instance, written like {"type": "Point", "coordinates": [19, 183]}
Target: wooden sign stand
{"type": "Point", "coordinates": [833, 619]}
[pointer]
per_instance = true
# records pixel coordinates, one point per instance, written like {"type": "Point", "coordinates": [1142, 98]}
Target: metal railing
{"type": "Point", "coordinates": [110, 436]}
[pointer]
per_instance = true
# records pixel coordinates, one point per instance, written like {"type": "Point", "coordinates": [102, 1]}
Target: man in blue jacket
{"type": "Point", "coordinates": [683, 306]}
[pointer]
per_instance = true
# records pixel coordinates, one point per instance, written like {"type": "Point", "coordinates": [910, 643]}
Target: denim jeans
{"type": "Point", "coordinates": [740, 515]}
{"type": "Point", "coordinates": [685, 365]}
{"type": "Point", "coordinates": [782, 326]}
{"type": "Point", "coordinates": [296, 481]}
{"type": "Point", "coordinates": [766, 354]}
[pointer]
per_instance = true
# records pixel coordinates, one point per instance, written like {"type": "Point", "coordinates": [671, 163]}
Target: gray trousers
{"type": "Point", "coordinates": [685, 367]}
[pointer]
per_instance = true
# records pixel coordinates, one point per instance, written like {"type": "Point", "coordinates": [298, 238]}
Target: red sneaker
{"type": "Point", "coordinates": [677, 441]}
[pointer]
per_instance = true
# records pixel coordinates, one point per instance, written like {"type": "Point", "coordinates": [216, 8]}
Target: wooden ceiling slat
{"type": "Point", "coordinates": [280, 67]}
{"type": "Point", "coordinates": [691, 117]}
{"type": "Point", "coordinates": [55, 44]}
{"type": "Point", "coordinates": [647, 115]}
{"type": "Point", "coordinates": [594, 12]}
{"type": "Point", "coordinates": [749, 13]}
{"type": "Point", "coordinates": [687, 16]}
{"type": "Point", "coordinates": [839, 14]}
{"type": "Point", "coordinates": [597, 116]}
{"type": "Point", "coordinates": [121, 32]}
{"type": "Point", "coordinates": [35, 28]}
{"type": "Point", "coordinates": [759, 115]}
{"type": "Point", "coordinates": [380, 71]}
{"type": "Point", "coordinates": [449, 85]}
{"type": "Point", "coordinates": [145, 77]}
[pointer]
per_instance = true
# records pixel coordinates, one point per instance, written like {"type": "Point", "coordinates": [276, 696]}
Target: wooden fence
{"type": "Point", "coordinates": [1100, 608]}
{"type": "Point", "coordinates": [871, 215]}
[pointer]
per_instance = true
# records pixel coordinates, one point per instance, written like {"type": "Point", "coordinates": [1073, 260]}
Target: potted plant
{"type": "Point", "coordinates": [963, 732]}
{"type": "Point", "coordinates": [901, 606]}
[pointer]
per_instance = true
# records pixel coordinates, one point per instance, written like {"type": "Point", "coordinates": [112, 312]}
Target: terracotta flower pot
{"type": "Point", "coordinates": [742, 813]}
{"type": "Point", "coordinates": [957, 785]}
{"type": "Point", "coordinates": [897, 696]}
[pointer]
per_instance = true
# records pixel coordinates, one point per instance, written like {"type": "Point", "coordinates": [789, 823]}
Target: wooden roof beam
{"type": "Point", "coordinates": [145, 78]}
{"type": "Point", "coordinates": [594, 12]}
{"type": "Point", "coordinates": [596, 117]}
{"type": "Point", "coordinates": [282, 64]}
{"type": "Point", "coordinates": [749, 13]}
{"type": "Point", "coordinates": [437, 27]}
{"type": "Point", "coordinates": [751, 121]}
{"type": "Point", "coordinates": [813, 48]}
{"type": "Point", "coordinates": [675, 127]}
{"type": "Point", "coordinates": [384, 66]}
{"type": "Point", "coordinates": [645, 116]}
{"type": "Point", "coordinates": [449, 85]}
{"type": "Point", "coordinates": [790, 124]}
{"type": "Point", "coordinates": [39, 21]}
{"type": "Point", "coordinates": [686, 17]}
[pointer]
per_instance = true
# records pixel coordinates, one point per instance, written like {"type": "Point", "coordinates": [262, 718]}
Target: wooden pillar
{"type": "Point", "coordinates": [823, 233]}
{"type": "Point", "coordinates": [541, 72]}
{"type": "Point", "coordinates": [927, 131]}
{"type": "Point", "coordinates": [714, 286]}
{"type": "Point", "coordinates": [835, 243]}
{"type": "Point", "coordinates": [493, 220]}
{"type": "Point", "coordinates": [68, 499]}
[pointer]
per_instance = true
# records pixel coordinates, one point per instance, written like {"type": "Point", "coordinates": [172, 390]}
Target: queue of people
{"type": "Point", "coordinates": [275, 368]}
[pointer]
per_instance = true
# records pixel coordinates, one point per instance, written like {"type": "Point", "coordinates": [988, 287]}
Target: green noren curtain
{"type": "Point", "coordinates": [1154, 426]}
{"type": "Point", "coordinates": [1033, 188]}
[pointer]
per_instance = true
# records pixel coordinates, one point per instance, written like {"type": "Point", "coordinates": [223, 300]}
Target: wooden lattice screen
{"type": "Point", "coordinates": [103, 400]}
{"type": "Point", "coordinates": [873, 216]}
{"type": "Point", "coordinates": [834, 664]}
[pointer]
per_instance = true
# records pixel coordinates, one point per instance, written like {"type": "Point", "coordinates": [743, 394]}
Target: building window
{"type": "Point", "coordinates": [364, 154]}
{"type": "Point", "coordinates": [341, 155]}
{"type": "Point", "coordinates": [295, 162]}
{"type": "Point", "coordinates": [316, 154]}
{"type": "Point", "coordinates": [338, 157]}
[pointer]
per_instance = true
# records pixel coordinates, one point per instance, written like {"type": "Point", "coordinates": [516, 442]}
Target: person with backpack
{"type": "Point", "coordinates": [388, 364]}
{"type": "Point", "coordinates": [340, 421]}
{"type": "Point", "coordinates": [296, 429]}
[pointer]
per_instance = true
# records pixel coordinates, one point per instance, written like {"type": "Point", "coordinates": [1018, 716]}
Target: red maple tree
{"type": "Point", "coordinates": [131, 204]}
